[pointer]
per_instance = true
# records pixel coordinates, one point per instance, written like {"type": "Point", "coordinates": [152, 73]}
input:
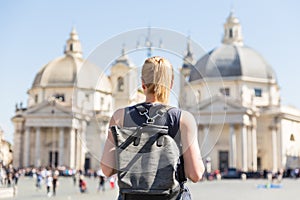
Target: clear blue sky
{"type": "Point", "coordinates": [34, 32]}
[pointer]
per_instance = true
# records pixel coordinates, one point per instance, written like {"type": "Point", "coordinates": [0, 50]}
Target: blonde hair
{"type": "Point", "coordinates": [158, 75]}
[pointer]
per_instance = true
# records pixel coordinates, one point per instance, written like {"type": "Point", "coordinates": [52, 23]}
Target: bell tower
{"type": "Point", "coordinates": [185, 71]}
{"type": "Point", "coordinates": [124, 81]}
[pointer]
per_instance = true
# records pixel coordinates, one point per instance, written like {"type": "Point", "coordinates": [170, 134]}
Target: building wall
{"type": "Point", "coordinates": [289, 146]}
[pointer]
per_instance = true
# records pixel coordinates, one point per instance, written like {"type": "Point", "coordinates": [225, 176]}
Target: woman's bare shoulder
{"type": "Point", "coordinates": [186, 117]}
{"type": "Point", "coordinates": [118, 117]}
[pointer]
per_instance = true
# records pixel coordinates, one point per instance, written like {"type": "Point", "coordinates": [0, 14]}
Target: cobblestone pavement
{"type": "Point", "coordinates": [211, 190]}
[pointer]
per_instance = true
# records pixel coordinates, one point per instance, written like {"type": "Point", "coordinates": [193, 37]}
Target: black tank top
{"type": "Point", "coordinates": [132, 118]}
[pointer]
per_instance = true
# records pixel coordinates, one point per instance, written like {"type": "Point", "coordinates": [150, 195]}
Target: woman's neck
{"type": "Point", "coordinates": [151, 99]}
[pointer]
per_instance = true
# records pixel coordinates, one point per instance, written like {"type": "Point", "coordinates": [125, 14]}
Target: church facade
{"type": "Point", "coordinates": [232, 92]}
{"type": "Point", "coordinates": [69, 107]}
{"type": "Point", "coordinates": [234, 95]}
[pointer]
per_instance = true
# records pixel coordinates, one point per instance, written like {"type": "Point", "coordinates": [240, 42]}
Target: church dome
{"type": "Point", "coordinates": [59, 72]}
{"type": "Point", "coordinates": [232, 58]}
{"type": "Point", "coordinates": [71, 70]}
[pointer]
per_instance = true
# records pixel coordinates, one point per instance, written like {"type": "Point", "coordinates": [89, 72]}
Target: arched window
{"type": "Point", "coordinates": [36, 98]}
{"type": "Point", "coordinates": [230, 33]}
{"type": "Point", "coordinates": [120, 84]}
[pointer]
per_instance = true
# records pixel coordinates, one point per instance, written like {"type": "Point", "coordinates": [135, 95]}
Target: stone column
{"type": "Point", "coordinates": [83, 144]}
{"type": "Point", "coordinates": [244, 148]}
{"type": "Point", "coordinates": [78, 149]}
{"type": "Point", "coordinates": [254, 145]}
{"type": "Point", "coordinates": [249, 148]}
{"type": "Point", "coordinates": [232, 143]}
{"type": "Point", "coordinates": [200, 136]}
{"type": "Point", "coordinates": [61, 146]}
{"type": "Point", "coordinates": [27, 147]}
{"type": "Point", "coordinates": [205, 143]}
{"type": "Point", "coordinates": [38, 147]}
{"type": "Point", "coordinates": [274, 148]}
{"type": "Point", "coordinates": [72, 148]}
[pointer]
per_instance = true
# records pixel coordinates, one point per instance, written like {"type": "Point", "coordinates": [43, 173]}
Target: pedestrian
{"type": "Point", "coordinates": [16, 177]}
{"type": "Point", "coordinates": [39, 179]}
{"type": "Point", "coordinates": [82, 184]}
{"type": "Point", "coordinates": [49, 181]}
{"type": "Point", "coordinates": [157, 81]}
{"type": "Point", "coordinates": [101, 182]}
{"type": "Point", "coordinates": [54, 183]}
{"type": "Point", "coordinates": [10, 175]}
{"type": "Point", "coordinates": [112, 182]}
{"type": "Point", "coordinates": [74, 174]}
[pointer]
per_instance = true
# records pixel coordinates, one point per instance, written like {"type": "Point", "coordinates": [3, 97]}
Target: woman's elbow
{"type": "Point", "coordinates": [107, 171]}
{"type": "Point", "coordinates": [197, 175]}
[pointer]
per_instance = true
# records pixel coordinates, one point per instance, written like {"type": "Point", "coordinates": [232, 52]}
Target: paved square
{"type": "Point", "coordinates": [211, 190]}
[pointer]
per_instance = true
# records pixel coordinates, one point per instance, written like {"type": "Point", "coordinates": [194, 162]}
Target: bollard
{"type": "Point", "coordinates": [244, 176]}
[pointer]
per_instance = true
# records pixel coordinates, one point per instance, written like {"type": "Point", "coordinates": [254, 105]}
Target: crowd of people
{"type": "Point", "coordinates": [48, 178]}
{"type": "Point", "coordinates": [8, 176]}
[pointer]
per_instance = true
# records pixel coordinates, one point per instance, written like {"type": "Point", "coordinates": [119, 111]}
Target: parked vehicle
{"type": "Point", "coordinates": [231, 173]}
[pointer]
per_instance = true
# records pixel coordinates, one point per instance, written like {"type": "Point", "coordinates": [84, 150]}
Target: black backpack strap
{"type": "Point", "coordinates": [142, 110]}
{"type": "Point", "coordinates": [151, 119]}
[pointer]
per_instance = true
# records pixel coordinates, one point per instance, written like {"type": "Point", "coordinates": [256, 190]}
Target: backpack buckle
{"type": "Point", "coordinates": [144, 112]}
{"type": "Point", "coordinates": [150, 121]}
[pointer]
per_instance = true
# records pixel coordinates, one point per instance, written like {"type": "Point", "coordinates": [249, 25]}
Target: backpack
{"type": "Point", "coordinates": [147, 159]}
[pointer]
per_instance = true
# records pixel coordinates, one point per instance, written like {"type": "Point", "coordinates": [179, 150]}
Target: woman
{"type": "Point", "coordinates": [157, 81]}
{"type": "Point", "coordinates": [82, 184]}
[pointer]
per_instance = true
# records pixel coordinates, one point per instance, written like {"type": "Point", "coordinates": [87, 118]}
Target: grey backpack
{"type": "Point", "coordinates": [147, 159]}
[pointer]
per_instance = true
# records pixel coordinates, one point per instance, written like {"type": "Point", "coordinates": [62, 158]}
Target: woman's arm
{"type": "Point", "coordinates": [107, 163]}
{"type": "Point", "coordinates": [193, 164]}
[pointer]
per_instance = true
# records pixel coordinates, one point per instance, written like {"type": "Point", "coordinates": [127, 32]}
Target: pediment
{"type": "Point", "coordinates": [219, 104]}
{"type": "Point", "coordinates": [50, 109]}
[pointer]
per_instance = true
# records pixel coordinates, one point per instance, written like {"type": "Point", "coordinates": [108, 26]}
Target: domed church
{"type": "Point", "coordinates": [234, 95]}
{"type": "Point", "coordinates": [68, 110]}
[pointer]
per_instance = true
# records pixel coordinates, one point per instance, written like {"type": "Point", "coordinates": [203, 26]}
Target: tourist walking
{"type": "Point", "coordinates": [39, 179]}
{"type": "Point", "coordinates": [82, 184]}
{"type": "Point", "coordinates": [101, 185]}
{"type": "Point", "coordinates": [151, 125]}
{"type": "Point", "coordinates": [101, 178]}
{"type": "Point", "coordinates": [112, 180]}
{"type": "Point", "coordinates": [49, 181]}
{"type": "Point", "coordinates": [54, 184]}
